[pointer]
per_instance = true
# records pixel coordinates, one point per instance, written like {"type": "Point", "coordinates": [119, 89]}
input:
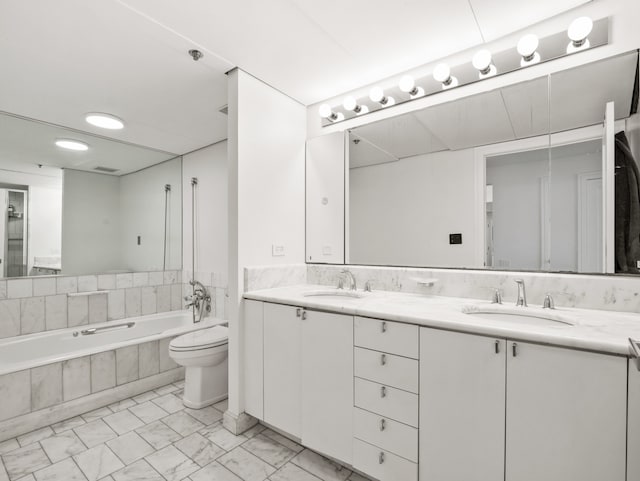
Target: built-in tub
{"type": "Point", "coordinates": [58, 374]}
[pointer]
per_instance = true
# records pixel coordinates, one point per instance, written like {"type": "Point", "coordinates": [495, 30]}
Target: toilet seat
{"type": "Point", "coordinates": [200, 340]}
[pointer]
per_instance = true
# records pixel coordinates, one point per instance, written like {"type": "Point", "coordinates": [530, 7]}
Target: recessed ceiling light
{"type": "Point", "coordinates": [104, 121]}
{"type": "Point", "coordinates": [71, 144]}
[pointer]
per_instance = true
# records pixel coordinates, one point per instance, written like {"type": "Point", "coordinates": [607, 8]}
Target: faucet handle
{"type": "Point", "coordinates": [368, 285]}
{"type": "Point", "coordinates": [548, 302]}
{"type": "Point", "coordinates": [497, 296]}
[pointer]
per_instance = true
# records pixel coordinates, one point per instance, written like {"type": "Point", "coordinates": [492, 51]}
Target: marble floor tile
{"type": "Point", "coordinates": [252, 431]}
{"type": "Point", "coordinates": [172, 464]}
{"type": "Point", "coordinates": [223, 438]}
{"type": "Point", "coordinates": [95, 433]}
{"type": "Point", "coordinates": [169, 403]}
{"type": "Point", "coordinates": [199, 448]}
{"type": "Point", "coordinates": [25, 460]}
{"type": "Point", "coordinates": [357, 477]}
{"type": "Point", "coordinates": [214, 471]}
{"type": "Point", "coordinates": [9, 445]}
{"type": "Point", "coordinates": [145, 396]}
{"type": "Point", "coordinates": [179, 384]}
{"type": "Point", "coordinates": [98, 462]}
{"type": "Point", "coordinates": [123, 422]}
{"type": "Point", "coordinates": [138, 471]}
{"type": "Point", "coordinates": [148, 412]}
{"type": "Point", "coordinates": [182, 423]}
{"type": "Point", "coordinates": [65, 470]}
{"type": "Point", "coordinates": [62, 446]}
{"type": "Point", "coordinates": [269, 450]}
{"type": "Point", "coordinates": [68, 424]}
{"type": "Point", "coordinates": [246, 465]}
{"type": "Point", "coordinates": [222, 406]}
{"type": "Point", "coordinates": [122, 405]}
{"type": "Point", "coordinates": [4, 476]}
{"type": "Point", "coordinates": [130, 447]}
{"type": "Point", "coordinates": [206, 416]}
{"type": "Point", "coordinates": [35, 436]}
{"type": "Point", "coordinates": [158, 434]}
{"type": "Point", "coordinates": [291, 472]}
{"type": "Point", "coordinates": [321, 466]}
{"type": "Point", "coordinates": [96, 414]}
{"type": "Point", "coordinates": [169, 388]}
{"type": "Point", "coordinates": [282, 440]}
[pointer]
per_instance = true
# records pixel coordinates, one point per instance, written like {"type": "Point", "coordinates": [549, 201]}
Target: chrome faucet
{"type": "Point", "coordinates": [199, 301]}
{"type": "Point", "coordinates": [522, 295]}
{"type": "Point", "coordinates": [352, 280]}
{"type": "Point", "coordinates": [548, 302]}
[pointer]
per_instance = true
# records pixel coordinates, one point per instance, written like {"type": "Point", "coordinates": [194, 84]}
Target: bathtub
{"type": "Point", "coordinates": [33, 350]}
{"type": "Point", "coordinates": [51, 376]}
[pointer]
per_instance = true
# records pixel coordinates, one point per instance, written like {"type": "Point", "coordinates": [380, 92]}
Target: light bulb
{"type": "Point", "coordinates": [408, 85]}
{"type": "Point", "coordinates": [482, 61]}
{"type": "Point", "coordinates": [325, 111]}
{"type": "Point", "coordinates": [527, 48]}
{"type": "Point", "coordinates": [71, 144]}
{"type": "Point", "coordinates": [442, 73]}
{"type": "Point", "coordinates": [376, 94]}
{"type": "Point", "coordinates": [578, 32]}
{"type": "Point", "coordinates": [351, 104]}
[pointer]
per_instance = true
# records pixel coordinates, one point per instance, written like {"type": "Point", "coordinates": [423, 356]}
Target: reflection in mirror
{"type": "Point", "coordinates": [507, 179]}
{"type": "Point", "coordinates": [114, 213]}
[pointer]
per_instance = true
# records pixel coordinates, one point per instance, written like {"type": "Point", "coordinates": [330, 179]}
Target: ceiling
{"type": "Point", "coordinates": [129, 58]}
{"type": "Point", "coordinates": [566, 100]}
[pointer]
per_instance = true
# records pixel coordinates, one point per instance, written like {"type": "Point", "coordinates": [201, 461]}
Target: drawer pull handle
{"type": "Point", "coordinates": [383, 327]}
{"type": "Point", "coordinates": [298, 312]}
{"type": "Point", "coordinates": [382, 424]}
{"type": "Point", "coordinates": [514, 347]}
{"type": "Point", "coordinates": [304, 315]}
{"type": "Point", "coordinates": [383, 391]}
{"type": "Point", "coordinates": [497, 347]}
{"type": "Point", "coordinates": [383, 359]}
{"type": "Point", "coordinates": [381, 458]}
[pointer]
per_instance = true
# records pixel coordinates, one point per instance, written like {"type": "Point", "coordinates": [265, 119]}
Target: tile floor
{"type": "Point", "coordinates": [153, 437]}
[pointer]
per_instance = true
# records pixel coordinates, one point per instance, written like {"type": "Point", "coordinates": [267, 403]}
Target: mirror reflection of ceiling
{"type": "Point", "coordinates": [25, 144]}
{"type": "Point", "coordinates": [566, 100]}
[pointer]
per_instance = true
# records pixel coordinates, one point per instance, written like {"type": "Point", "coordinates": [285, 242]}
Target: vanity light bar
{"type": "Point", "coordinates": [583, 34]}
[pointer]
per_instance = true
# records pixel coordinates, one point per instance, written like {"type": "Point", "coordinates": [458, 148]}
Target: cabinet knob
{"type": "Point", "coordinates": [497, 347]}
{"type": "Point", "coordinates": [383, 327]}
{"type": "Point", "coordinates": [383, 359]}
{"type": "Point", "coordinates": [304, 315]}
{"type": "Point", "coordinates": [381, 458]}
{"type": "Point", "coordinates": [383, 391]}
{"type": "Point", "coordinates": [514, 349]}
{"type": "Point", "coordinates": [382, 424]}
{"type": "Point", "coordinates": [298, 312]}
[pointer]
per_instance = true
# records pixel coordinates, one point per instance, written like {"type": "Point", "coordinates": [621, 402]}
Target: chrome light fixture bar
{"type": "Point", "coordinates": [581, 35]}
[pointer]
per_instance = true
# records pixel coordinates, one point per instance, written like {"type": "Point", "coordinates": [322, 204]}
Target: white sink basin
{"type": "Point", "coordinates": [335, 294]}
{"type": "Point", "coordinates": [521, 315]}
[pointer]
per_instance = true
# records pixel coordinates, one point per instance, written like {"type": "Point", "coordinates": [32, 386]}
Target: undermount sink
{"type": "Point", "coordinates": [522, 315]}
{"type": "Point", "coordinates": [335, 294]}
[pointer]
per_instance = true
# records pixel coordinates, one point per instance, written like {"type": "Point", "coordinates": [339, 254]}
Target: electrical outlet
{"type": "Point", "coordinates": [277, 250]}
{"type": "Point", "coordinates": [455, 238]}
{"type": "Point", "coordinates": [326, 250]}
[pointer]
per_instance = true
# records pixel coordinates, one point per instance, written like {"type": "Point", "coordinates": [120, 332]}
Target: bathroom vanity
{"type": "Point", "coordinates": [410, 387]}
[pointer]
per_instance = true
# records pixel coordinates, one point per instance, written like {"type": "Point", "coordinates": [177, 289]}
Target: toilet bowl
{"type": "Point", "coordinates": [203, 353]}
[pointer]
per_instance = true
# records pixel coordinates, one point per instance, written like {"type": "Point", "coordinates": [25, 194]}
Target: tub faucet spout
{"type": "Point", "coordinates": [199, 301]}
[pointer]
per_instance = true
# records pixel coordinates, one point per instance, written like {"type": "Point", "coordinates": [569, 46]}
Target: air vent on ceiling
{"type": "Point", "coordinates": [224, 110]}
{"type": "Point", "coordinates": [105, 169]}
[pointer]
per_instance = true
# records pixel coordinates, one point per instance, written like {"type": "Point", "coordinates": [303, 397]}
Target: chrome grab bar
{"type": "Point", "coordinates": [96, 330]}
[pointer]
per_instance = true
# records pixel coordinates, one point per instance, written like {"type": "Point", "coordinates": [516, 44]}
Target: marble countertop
{"type": "Point", "coordinates": [597, 330]}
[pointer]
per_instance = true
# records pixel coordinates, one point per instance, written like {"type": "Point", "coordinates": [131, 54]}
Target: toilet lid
{"type": "Point", "coordinates": [210, 337]}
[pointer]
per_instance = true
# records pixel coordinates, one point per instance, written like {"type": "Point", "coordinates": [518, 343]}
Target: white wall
{"type": "Point", "coordinates": [266, 142]}
{"type": "Point", "coordinates": [142, 208]}
{"type": "Point", "coordinates": [401, 213]}
{"type": "Point", "coordinates": [209, 166]}
{"type": "Point", "coordinates": [90, 223]}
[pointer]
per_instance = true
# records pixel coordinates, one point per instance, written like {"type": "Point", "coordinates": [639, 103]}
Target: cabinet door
{"type": "Point", "coordinates": [633, 447]}
{"type": "Point", "coordinates": [327, 384]}
{"type": "Point", "coordinates": [253, 358]}
{"type": "Point", "coordinates": [566, 414]}
{"type": "Point", "coordinates": [462, 387]}
{"type": "Point", "coordinates": [282, 374]}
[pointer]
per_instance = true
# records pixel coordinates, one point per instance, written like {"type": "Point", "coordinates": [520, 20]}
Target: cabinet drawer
{"type": "Point", "coordinates": [381, 464]}
{"type": "Point", "coordinates": [387, 401]}
{"type": "Point", "coordinates": [386, 336]}
{"type": "Point", "coordinates": [387, 369]}
{"type": "Point", "coordinates": [386, 433]}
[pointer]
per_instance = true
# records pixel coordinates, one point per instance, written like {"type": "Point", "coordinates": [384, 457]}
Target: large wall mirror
{"type": "Point", "coordinates": [114, 207]}
{"type": "Point", "coordinates": [531, 176]}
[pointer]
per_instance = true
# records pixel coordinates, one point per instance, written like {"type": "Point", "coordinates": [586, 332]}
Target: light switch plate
{"type": "Point", "coordinates": [277, 250]}
{"type": "Point", "coordinates": [326, 250]}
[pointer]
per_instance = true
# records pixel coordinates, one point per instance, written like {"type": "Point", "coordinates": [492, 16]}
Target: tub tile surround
{"type": "Point", "coordinates": [125, 445]}
{"type": "Point", "coordinates": [609, 293]}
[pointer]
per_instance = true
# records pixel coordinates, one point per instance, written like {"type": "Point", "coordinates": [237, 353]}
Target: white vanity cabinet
{"type": "Point", "coordinates": [493, 409]}
{"type": "Point", "coordinates": [633, 426]}
{"type": "Point", "coordinates": [299, 374]}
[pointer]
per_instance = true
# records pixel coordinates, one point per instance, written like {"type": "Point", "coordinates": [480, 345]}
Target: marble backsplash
{"type": "Point", "coordinates": [266, 277]}
{"type": "Point", "coordinates": [613, 293]}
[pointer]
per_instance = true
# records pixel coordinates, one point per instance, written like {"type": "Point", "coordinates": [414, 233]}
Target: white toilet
{"type": "Point", "coordinates": [204, 355]}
